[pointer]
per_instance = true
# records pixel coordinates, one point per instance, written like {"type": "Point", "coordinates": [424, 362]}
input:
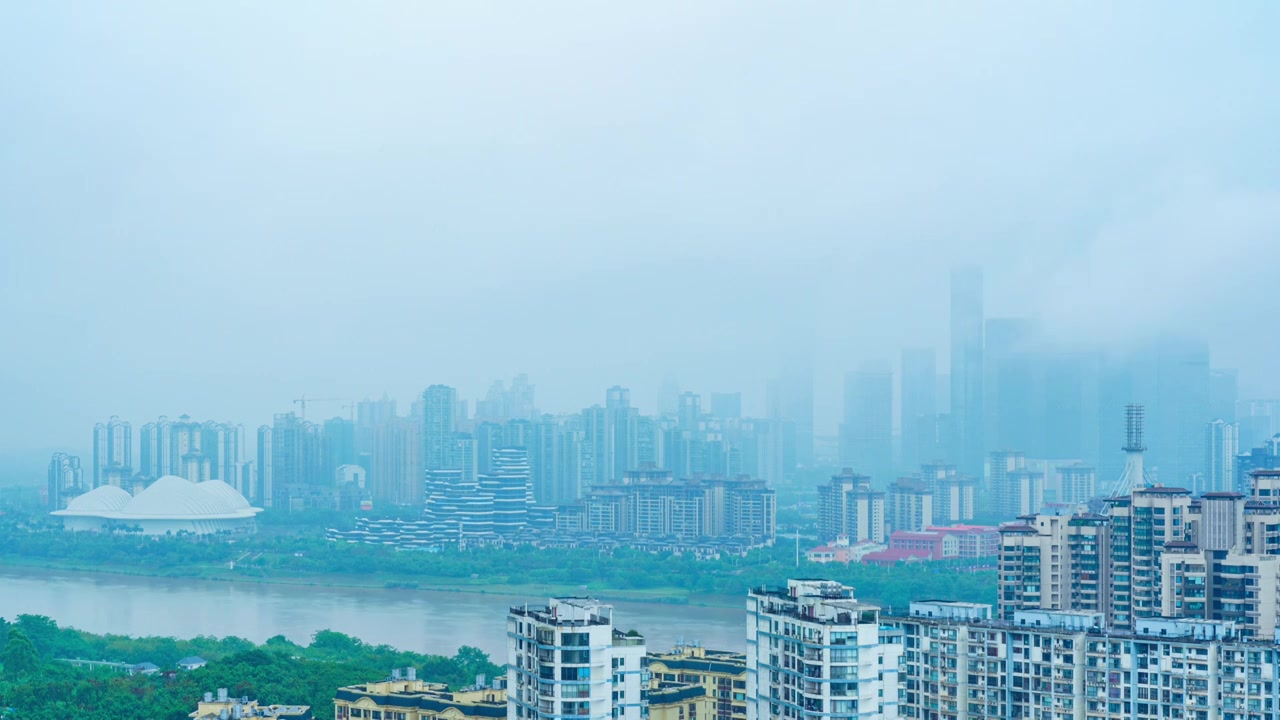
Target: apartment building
{"type": "Point", "coordinates": [721, 674]}
{"type": "Point", "coordinates": [651, 503]}
{"type": "Point", "coordinates": [566, 658]}
{"type": "Point", "coordinates": [910, 505]}
{"type": "Point", "coordinates": [814, 651]}
{"type": "Point", "coordinates": [404, 697]}
{"type": "Point", "coordinates": [1157, 552]}
{"type": "Point", "coordinates": [960, 663]}
{"type": "Point", "coordinates": [848, 506]}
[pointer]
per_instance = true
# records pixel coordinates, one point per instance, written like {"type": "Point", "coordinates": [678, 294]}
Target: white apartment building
{"type": "Point", "coordinates": [959, 663]}
{"type": "Point", "coordinates": [566, 660]}
{"type": "Point", "coordinates": [814, 652]}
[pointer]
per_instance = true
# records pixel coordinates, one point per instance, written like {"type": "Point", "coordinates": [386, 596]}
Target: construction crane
{"type": "Point", "coordinates": [302, 403]}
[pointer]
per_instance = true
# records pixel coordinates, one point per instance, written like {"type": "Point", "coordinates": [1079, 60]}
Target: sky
{"type": "Point", "coordinates": [214, 208]}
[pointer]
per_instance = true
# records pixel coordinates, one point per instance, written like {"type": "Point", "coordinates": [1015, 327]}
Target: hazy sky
{"type": "Point", "coordinates": [212, 208]}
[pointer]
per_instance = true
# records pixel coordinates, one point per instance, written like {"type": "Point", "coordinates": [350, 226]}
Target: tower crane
{"type": "Point", "coordinates": [302, 403]}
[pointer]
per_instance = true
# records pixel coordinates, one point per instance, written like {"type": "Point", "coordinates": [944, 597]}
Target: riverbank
{"type": "Point", "coordinates": [399, 584]}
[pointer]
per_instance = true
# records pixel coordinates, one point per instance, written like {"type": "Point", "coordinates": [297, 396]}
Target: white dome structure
{"type": "Point", "coordinates": [169, 505]}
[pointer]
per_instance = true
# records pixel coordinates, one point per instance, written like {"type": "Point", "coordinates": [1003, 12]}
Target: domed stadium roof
{"type": "Point", "coordinates": [106, 499]}
{"type": "Point", "coordinates": [224, 492]}
{"type": "Point", "coordinates": [170, 497]}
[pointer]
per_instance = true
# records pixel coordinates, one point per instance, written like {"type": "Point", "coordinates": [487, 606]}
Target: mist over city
{"type": "Point", "coordinates": [645, 361]}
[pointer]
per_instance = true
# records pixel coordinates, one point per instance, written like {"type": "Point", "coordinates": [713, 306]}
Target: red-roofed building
{"type": "Point", "coordinates": [953, 542]}
{"type": "Point", "coordinates": [891, 557]}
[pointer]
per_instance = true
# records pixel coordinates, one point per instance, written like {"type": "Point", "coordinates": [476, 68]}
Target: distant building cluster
{"type": "Point", "coordinates": [649, 509]}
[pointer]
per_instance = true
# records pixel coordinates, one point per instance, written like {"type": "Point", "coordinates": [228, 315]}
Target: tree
{"type": "Point", "coordinates": [20, 656]}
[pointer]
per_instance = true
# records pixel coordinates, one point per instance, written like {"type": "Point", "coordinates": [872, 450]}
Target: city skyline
{"type": "Point", "coordinates": [353, 220]}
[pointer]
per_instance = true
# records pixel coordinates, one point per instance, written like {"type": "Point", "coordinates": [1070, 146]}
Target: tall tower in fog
{"type": "Point", "coordinates": [919, 407]}
{"type": "Point", "coordinates": [866, 435]}
{"type": "Point", "coordinates": [966, 370]}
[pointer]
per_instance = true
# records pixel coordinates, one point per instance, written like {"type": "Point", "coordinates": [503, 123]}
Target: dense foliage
{"type": "Point", "coordinates": [36, 685]}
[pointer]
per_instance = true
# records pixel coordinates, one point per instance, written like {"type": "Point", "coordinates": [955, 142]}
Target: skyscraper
{"type": "Point", "coordinates": [508, 484]}
{"type": "Point", "coordinates": [596, 459]}
{"type": "Point", "coordinates": [439, 407]}
{"type": "Point", "coordinates": [263, 493]}
{"type": "Point", "coordinates": [621, 420]}
{"type": "Point", "coordinates": [1221, 448]}
{"type": "Point", "coordinates": [370, 414]}
{"type": "Point", "coordinates": [112, 452]}
{"type": "Point", "coordinates": [726, 406]}
{"type": "Point", "coordinates": [1224, 392]}
{"type": "Point", "coordinates": [790, 397]}
{"type": "Point", "coordinates": [66, 479]}
{"type": "Point", "coordinates": [967, 370]}
{"type": "Point", "coordinates": [1012, 385]}
{"type": "Point", "coordinates": [396, 477]}
{"type": "Point", "coordinates": [338, 436]}
{"type": "Point", "coordinates": [866, 436]}
{"type": "Point", "coordinates": [919, 407]}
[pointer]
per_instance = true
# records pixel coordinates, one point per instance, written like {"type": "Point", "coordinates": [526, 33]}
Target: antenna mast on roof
{"type": "Point", "coordinates": [1134, 475]}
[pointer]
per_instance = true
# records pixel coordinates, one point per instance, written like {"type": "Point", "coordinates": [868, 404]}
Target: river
{"type": "Point", "coordinates": [419, 620]}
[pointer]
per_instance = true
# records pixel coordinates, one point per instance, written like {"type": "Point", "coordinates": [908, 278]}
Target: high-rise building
{"type": "Point", "coordinates": [650, 445]}
{"type": "Point", "coordinates": [570, 482]}
{"type": "Point", "coordinates": [544, 433]}
{"type": "Point", "coordinates": [1171, 378]}
{"type": "Point", "coordinates": [620, 420]}
{"type": "Point", "coordinates": [66, 479]}
{"type": "Point", "coordinates": [507, 482]}
{"type": "Point", "coordinates": [396, 459]}
{"type": "Point", "coordinates": [726, 406]}
{"type": "Point", "coordinates": [298, 481]}
{"type": "Point", "coordinates": [596, 456]}
{"type": "Point", "coordinates": [1012, 385]}
{"type": "Point", "coordinates": [338, 438]}
{"type": "Point", "coordinates": [112, 453]}
{"type": "Point", "coordinates": [815, 651]}
{"type": "Point", "coordinates": [439, 423]}
{"type": "Point", "coordinates": [1221, 449]}
{"type": "Point", "coordinates": [222, 444]}
{"type": "Point", "coordinates": [456, 509]}
{"type": "Point", "coordinates": [866, 436]}
{"type": "Point", "coordinates": [1014, 490]}
{"type": "Point", "coordinates": [961, 664]}
{"type": "Point", "coordinates": [490, 437]}
{"type": "Point", "coordinates": [919, 407]}
{"type": "Point", "coordinates": [263, 493]}
{"type": "Point", "coordinates": [954, 494]}
{"type": "Point", "coordinates": [1077, 483]}
{"type": "Point", "coordinates": [789, 397]}
{"type": "Point", "coordinates": [848, 506]}
{"type": "Point", "coordinates": [966, 411]}
{"type": "Point", "coordinates": [566, 659]}
{"type": "Point", "coordinates": [369, 415]}
{"type": "Point", "coordinates": [910, 505]}
{"type": "Point", "coordinates": [1224, 393]}
{"type": "Point", "coordinates": [669, 397]}
{"type": "Point", "coordinates": [690, 412]}
{"type": "Point", "coordinates": [650, 504]}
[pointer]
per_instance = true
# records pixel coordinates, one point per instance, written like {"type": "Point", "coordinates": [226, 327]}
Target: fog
{"type": "Point", "coordinates": [214, 209]}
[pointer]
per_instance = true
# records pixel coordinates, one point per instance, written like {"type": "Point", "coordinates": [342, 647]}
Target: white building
{"type": "Point", "coordinates": [813, 651]}
{"type": "Point", "coordinates": [169, 505]}
{"type": "Point", "coordinates": [565, 659]}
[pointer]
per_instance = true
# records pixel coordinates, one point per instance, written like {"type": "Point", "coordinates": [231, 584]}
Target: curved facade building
{"type": "Point", "coordinates": [170, 505]}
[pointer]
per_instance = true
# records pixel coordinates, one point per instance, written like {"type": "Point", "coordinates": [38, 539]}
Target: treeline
{"type": "Point", "coordinates": [36, 685]}
{"type": "Point", "coordinates": [678, 578]}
